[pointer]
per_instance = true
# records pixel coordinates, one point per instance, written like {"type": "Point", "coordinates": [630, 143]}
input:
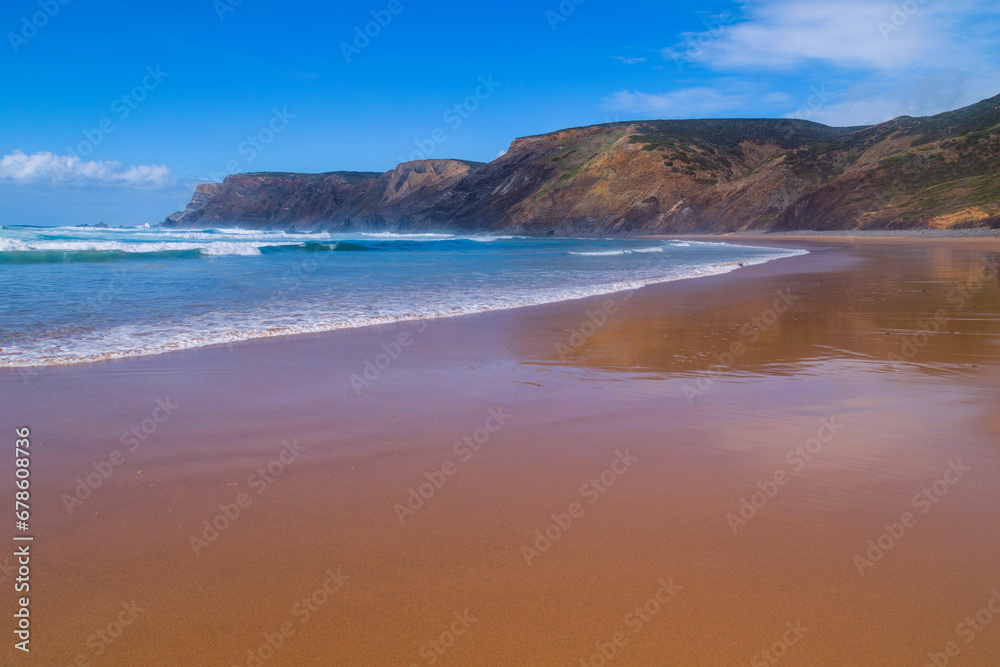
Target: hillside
{"type": "Point", "coordinates": [716, 175]}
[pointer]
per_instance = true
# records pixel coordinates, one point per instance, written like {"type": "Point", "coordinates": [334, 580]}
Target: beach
{"type": "Point", "coordinates": [794, 462]}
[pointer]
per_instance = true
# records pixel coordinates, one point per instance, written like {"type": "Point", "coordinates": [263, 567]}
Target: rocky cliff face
{"type": "Point", "coordinates": [654, 176]}
{"type": "Point", "coordinates": [202, 195]}
{"type": "Point", "coordinates": [410, 178]}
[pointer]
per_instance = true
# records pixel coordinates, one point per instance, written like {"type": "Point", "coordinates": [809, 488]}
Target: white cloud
{"type": "Point", "coordinates": [784, 33]}
{"type": "Point", "coordinates": [872, 61]}
{"type": "Point", "coordinates": [630, 61]}
{"type": "Point", "coordinates": [851, 34]}
{"type": "Point", "coordinates": [46, 167]}
{"type": "Point", "coordinates": [866, 104]}
{"type": "Point", "coordinates": [686, 103]}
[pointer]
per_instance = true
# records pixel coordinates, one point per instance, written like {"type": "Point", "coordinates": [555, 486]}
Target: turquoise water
{"type": "Point", "coordinates": [72, 295]}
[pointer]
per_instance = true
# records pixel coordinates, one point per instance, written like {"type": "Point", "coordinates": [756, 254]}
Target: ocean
{"type": "Point", "coordinates": [77, 295]}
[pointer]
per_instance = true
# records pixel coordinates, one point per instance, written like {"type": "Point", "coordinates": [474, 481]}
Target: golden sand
{"type": "Point", "coordinates": [801, 457]}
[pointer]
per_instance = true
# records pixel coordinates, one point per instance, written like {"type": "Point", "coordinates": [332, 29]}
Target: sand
{"type": "Point", "coordinates": [717, 453]}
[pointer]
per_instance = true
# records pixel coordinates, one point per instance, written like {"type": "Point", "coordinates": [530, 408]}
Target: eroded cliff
{"type": "Point", "coordinates": [717, 175]}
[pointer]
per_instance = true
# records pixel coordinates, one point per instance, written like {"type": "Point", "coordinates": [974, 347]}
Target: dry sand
{"type": "Point", "coordinates": [694, 433]}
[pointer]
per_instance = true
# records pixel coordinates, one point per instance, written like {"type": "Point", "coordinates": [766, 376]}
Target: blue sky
{"type": "Point", "coordinates": [114, 111]}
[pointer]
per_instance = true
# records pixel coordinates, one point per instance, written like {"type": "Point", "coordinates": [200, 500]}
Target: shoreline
{"type": "Point", "coordinates": [701, 390]}
{"type": "Point", "coordinates": [241, 337]}
{"type": "Point", "coordinates": [984, 242]}
{"type": "Point", "coordinates": [878, 233]}
{"type": "Point", "coordinates": [782, 239]}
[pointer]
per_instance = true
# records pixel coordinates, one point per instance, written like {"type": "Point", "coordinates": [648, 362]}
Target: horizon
{"type": "Point", "coordinates": [212, 89]}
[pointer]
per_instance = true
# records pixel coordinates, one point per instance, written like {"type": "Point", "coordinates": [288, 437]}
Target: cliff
{"type": "Point", "coordinates": [667, 176]}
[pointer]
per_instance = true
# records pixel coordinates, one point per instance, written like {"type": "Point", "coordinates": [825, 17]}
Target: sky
{"type": "Point", "coordinates": [113, 112]}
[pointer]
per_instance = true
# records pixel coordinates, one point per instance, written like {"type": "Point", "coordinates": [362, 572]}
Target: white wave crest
{"type": "Point", "coordinates": [408, 237]}
{"type": "Point", "coordinates": [608, 253]}
{"type": "Point", "coordinates": [12, 245]}
{"type": "Point", "coordinates": [199, 331]}
{"type": "Point", "coordinates": [212, 248]}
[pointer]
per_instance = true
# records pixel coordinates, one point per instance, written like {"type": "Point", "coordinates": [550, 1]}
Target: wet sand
{"type": "Point", "coordinates": [818, 389]}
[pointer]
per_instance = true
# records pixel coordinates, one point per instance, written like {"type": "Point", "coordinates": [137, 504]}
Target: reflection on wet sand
{"type": "Point", "coordinates": [933, 306]}
{"type": "Point", "coordinates": [785, 506]}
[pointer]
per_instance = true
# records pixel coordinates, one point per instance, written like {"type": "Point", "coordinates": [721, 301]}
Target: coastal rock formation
{"type": "Point", "coordinates": [202, 195]}
{"type": "Point", "coordinates": [660, 176]}
{"type": "Point", "coordinates": [409, 178]}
